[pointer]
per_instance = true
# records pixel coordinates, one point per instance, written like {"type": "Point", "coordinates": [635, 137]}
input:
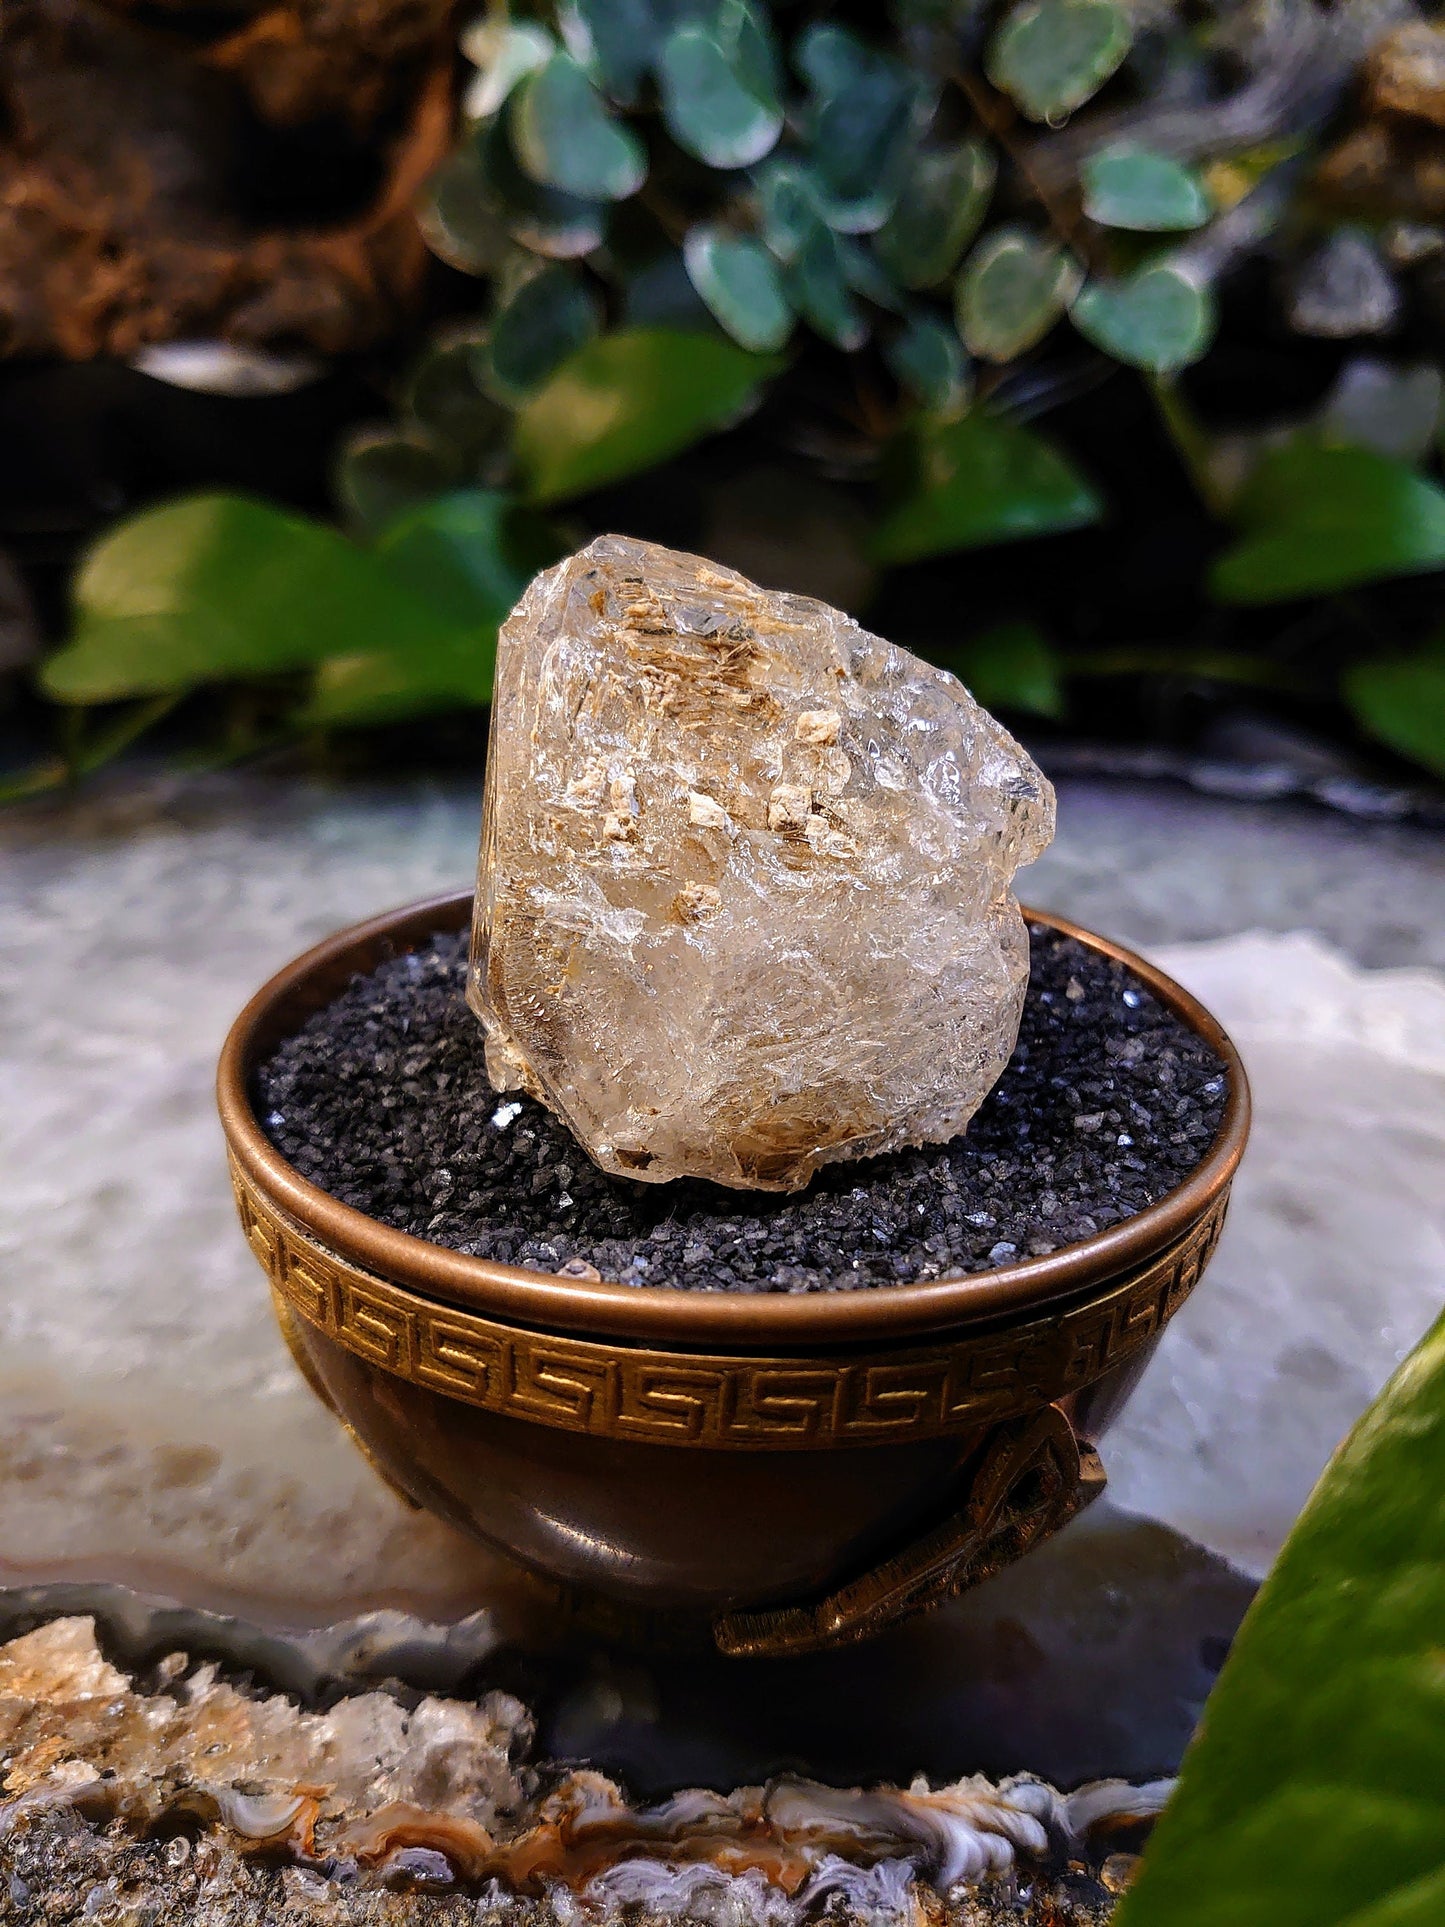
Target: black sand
{"type": "Point", "coordinates": [1107, 1104]}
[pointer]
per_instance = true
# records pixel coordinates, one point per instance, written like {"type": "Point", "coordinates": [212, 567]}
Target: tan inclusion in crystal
{"type": "Point", "coordinates": [745, 901]}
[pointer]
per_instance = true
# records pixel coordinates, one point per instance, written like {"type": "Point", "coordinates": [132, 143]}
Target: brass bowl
{"type": "Point", "coordinates": [793, 1471]}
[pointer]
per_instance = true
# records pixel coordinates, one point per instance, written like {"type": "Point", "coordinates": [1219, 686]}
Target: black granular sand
{"type": "Point", "coordinates": [1108, 1102]}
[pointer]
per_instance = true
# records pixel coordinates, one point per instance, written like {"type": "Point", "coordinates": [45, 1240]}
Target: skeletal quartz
{"type": "Point", "coordinates": [744, 904]}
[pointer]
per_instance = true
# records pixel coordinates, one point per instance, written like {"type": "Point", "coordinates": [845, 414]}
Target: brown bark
{"type": "Point", "coordinates": [162, 178]}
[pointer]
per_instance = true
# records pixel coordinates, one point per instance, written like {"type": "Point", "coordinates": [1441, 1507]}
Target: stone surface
{"type": "Point", "coordinates": [1091, 1658]}
{"type": "Point", "coordinates": [1405, 73]}
{"type": "Point", "coordinates": [448, 1794]}
{"type": "Point", "coordinates": [56, 1860]}
{"type": "Point", "coordinates": [744, 904]}
{"type": "Point", "coordinates": [153, 1433]}
{"type": "Point", "coordinates": [1331, 1268]}
{"type": "Point", "coordinates": [1344, 289]}
{"type": "Point", "coordinates": [71, 1723]}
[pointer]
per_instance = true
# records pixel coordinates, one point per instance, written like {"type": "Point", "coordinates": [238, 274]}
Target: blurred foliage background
{"type": "Point", "coordinates": [1093, 348]}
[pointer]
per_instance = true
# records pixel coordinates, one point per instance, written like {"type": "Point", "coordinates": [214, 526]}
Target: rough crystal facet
{"type": "Point", "coordinates": [744, 904]}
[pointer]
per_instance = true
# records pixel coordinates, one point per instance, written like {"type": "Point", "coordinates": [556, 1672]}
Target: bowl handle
{"type": "Point", "coordinates": [1031, 1475]}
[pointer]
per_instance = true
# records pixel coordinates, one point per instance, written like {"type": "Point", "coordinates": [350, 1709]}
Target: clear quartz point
{"type": "Point", "coordinates": [744, 904]}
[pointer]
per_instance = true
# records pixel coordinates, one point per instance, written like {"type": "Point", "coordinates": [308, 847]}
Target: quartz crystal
{"type": "Point", "coordinates": [744, 904]}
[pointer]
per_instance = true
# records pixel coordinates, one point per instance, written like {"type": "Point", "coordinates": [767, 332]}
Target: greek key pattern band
{"type": "Point", "coordinates": [615, 1390]}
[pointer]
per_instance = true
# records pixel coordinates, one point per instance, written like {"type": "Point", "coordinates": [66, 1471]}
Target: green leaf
{"type": "Point", "coordinates": [659, 293]}
{"type": "Point", "coordinates": [1159, 318]}
{"type": "Point", "coordinates": [815, 265]}
{"type": "Point", "coordinates": [215, 587]}
{"type": "Point", "coordinates": [442, 398]}
{"type": "Point", "coordinates": [38, 779]}
{"type": "Point", "coordinates": [791, 206]}
{"type": "Point", "coordinates": [1011, 666]}
{"type": "Point", "coordinates": [629, 400]}
{"type": "Point", "coordinates": [560, 226]}
{"type": "Point", "coordinates": [1401, 700]}
{"type": "Point", "coordinates": [942, 204]}
{"type": "Point", "coordinates": [1012, 290]}
{"type": "Point", "coordinates": [1321, 518]}
{"type": "Point", "coordinates": [1053, 55]}
{"type": "Point", "coordinates": [1421, 1904]}
{"type": "Point", "coordinates": [381, 471]}
{"type": "Point", "coordinates": [503, 52]}
{"type": "Point", "coordinates": [817, 284]}
{"type": "Point", "coordinates": [1311, 1796]}
{"type": "Point", "coordinates": [829, 58]}
{"type": "Point", "coordinates": [614, 39]}
{"type": "Point", "coordinates": [471, 554]}
{"type": "Point", "coordinates": [745, 33]}
{"type": "Point", "coordinates": [396, 685]}
{"type": "Point", "coordinates": [461, 220]}
{"type": "Point", "coordinates": [739, 281]}
{"type": "Point", "coordinates": [926, 359]}
{"type": "Point", "coordinates": [977, 481]}
{"type": "Point", "coordinates": [866, 275]}
{"type": "Point", "coordinates": [862, 118]}
{"type": "Point", "coordinates": [564, 137]}
{"type": "Point", "coordinates": [541, 321]}
{"type": "Point", "coordinates": [1130, 187]}
{"type": "Point", "coordinates": [719, 93]}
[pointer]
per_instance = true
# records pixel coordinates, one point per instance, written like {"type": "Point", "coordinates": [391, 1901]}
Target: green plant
{"type": "Point", "coordinates": [221, 589]}
{"type": "Point", "coordinates": [1311, 1794]}
{"type": "Point", "coordinates": [887, 242]}
{"type": "Point", "coordinates": [716, 168]}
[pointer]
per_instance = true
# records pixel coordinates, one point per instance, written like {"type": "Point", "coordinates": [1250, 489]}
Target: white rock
{"type": "Point", "coordinates": [1330, 1267]}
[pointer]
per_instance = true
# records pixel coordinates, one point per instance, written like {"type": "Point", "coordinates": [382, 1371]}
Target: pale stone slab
{"type": "Point", "coordinates": [153, 1431]}
{"type": "Point", "coordinates": [1331, 1265]}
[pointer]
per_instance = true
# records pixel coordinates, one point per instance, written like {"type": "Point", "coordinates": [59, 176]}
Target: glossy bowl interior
{"type": "Point", "coordinates": [793, 1469]}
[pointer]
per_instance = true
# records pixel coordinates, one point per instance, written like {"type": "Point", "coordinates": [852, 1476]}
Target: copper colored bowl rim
{"type": "Point", "coordinates": [664, 1314]}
